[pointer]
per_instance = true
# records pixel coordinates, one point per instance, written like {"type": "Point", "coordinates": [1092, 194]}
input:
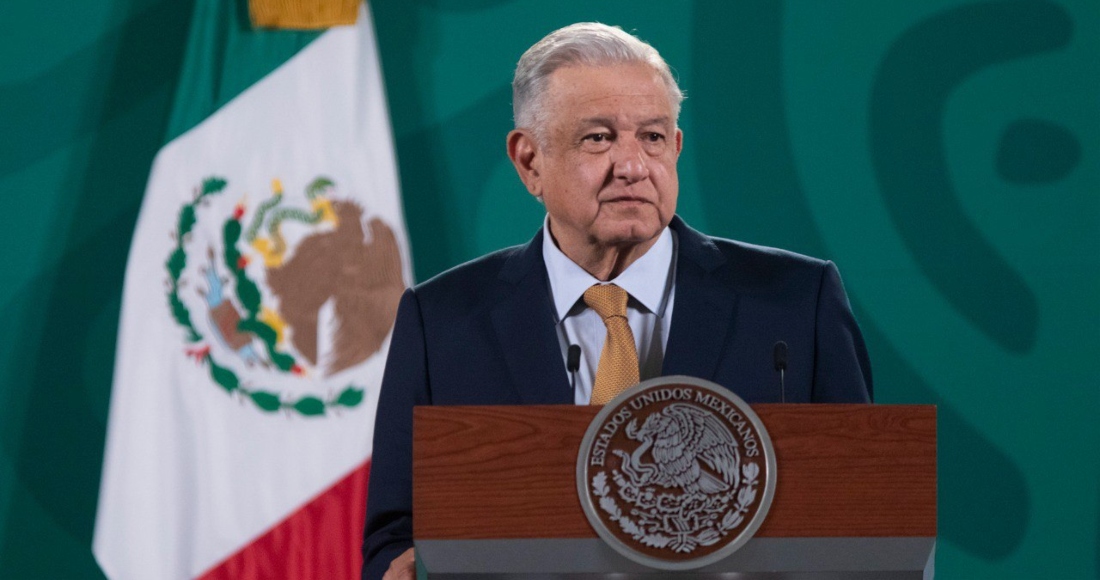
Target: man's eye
{"type": "Point", "coordinates": [598, 137]}
{"type": "Point", "coordinates": [654, 137]}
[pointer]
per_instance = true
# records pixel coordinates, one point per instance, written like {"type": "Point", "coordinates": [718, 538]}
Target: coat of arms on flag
{"type": "Point", "coordinates": [282, 287]}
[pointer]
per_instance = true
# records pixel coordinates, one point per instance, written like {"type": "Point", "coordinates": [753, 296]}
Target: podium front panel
{"type": "Point", "coordinates": [855, 494]}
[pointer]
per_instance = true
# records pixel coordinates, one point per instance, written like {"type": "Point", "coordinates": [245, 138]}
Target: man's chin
{"type": "Point", "coordinates": [630, 234]}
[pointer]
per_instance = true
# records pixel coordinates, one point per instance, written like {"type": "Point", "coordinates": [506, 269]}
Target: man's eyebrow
{"type": "Point", "coordinates": [609, 122]}
{"type": "Point", "coordinates": [662, 120]}
{"type": "Point", "coordinates": [590, 121]}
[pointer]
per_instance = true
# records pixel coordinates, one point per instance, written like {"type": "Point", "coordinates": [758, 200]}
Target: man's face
{"type": "Point", "coordinates": [607, 169]}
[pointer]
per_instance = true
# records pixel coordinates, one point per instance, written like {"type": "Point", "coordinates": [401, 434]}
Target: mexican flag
{"type": "Point", "coordinates": [261, 288]}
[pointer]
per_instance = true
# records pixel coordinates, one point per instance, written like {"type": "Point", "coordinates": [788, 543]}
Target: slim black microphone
{"type": "Point", "coordinates": [779, 352]}
{"type": "Point", "coordinates": [573, 363]}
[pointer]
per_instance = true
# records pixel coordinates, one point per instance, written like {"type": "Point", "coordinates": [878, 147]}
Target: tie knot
{"type": "Point", "coordinates": [607, 300]}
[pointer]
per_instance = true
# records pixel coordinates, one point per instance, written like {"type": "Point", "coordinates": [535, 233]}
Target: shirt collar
{"type": "Point", "coordinates": [646, 280]}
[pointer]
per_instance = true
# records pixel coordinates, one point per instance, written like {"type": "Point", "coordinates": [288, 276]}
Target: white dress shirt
{"type": "Point", "coordinates": [651, 283]}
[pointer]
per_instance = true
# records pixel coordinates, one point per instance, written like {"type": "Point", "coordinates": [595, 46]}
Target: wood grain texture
{"type": "Point", "coordinates": [509, 472]}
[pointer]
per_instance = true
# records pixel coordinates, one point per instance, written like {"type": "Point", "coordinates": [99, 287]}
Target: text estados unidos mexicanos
{"type": "Point", "coordinates": [727, 411]}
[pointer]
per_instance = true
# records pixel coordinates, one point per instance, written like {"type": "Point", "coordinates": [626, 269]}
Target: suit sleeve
{"type": "Point", "coordinates": [389, 497]}
{"type": "Point", "coordinates": [842, 368]}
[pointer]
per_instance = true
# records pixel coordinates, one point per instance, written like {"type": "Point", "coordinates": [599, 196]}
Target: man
{"type": "Point", "coordinates": [597, 141]}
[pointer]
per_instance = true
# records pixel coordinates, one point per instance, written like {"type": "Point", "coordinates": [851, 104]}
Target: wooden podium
{"type": "Point", "coordinates": [495, 496]}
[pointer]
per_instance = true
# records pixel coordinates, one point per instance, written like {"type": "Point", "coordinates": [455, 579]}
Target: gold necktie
{"type": "Point", "coordinates": [619, 359]}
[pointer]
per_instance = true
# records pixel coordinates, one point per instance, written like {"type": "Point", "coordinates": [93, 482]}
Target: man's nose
{"type": "Point", "coordinates": [630, 164]}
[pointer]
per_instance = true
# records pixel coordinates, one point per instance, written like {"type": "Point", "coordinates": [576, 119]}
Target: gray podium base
{"type": "Point", "coordinates": [760, 558]}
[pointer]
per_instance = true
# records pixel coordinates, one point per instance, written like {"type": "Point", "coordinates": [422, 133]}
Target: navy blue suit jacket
{"type": "Point", "coordinates": [483, 334]}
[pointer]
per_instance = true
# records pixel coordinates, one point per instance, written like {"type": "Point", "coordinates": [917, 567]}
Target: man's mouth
{"type": "Point", "coordinates": [626, 199]}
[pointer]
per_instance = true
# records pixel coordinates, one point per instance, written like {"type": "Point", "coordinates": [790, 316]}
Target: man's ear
{"type": "Point", "coordinates": [523, 150]}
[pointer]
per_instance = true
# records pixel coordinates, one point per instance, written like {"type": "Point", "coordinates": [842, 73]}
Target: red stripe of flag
{"type": "Point", "coordinates": [322, 539]}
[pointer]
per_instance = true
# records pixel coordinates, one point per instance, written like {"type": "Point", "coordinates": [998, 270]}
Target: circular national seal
{"type": "Point", "coordinates": [676, 473]}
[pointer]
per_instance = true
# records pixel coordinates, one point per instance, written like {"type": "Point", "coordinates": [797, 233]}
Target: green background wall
{"type": "Point", "coordinates": [946, 154]}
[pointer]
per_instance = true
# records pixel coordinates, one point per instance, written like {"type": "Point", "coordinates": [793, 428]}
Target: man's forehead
{"type": "Point", "coordinates": [618, 93]}
{"type": "Point", "coordinates": [578, 77]}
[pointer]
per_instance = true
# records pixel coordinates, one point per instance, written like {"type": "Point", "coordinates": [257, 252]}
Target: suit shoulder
{"type": "Point", "coordinates": [767, 268]}
{"type": "Point", "coordinates": [744, 254]}
{"type": "Point", "coordinates": [468, 281]}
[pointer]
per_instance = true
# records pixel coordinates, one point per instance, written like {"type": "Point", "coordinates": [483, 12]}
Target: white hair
{"type": "Point", "coordinates": [585, 44]}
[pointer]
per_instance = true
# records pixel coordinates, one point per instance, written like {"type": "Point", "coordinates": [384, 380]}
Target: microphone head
{"type": "Point", "coordinates": [573, 358]}
{"type": "Point", "coordinates": [780, 355]}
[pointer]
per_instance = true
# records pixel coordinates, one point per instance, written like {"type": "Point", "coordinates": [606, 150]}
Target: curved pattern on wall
{"type": "Point", "coordinates": [751, 191]}
{"type": "Point", "coordinates": [915, 80]}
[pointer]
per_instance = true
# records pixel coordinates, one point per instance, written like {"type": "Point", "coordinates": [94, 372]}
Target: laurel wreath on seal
{"type": "Point", "coordinates": [649, 532]}
{"type": "Point", "coordinates": [249, 296]}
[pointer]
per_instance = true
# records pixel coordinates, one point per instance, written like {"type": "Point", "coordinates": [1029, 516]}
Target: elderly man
{"type": "Point", "coordinates": [612, 270]}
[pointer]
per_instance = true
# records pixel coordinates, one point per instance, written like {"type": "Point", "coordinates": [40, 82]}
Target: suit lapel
{"type": "Point", "coordinates": [704, 310]}
{"type": "Point", "coordinates": [524, 321]}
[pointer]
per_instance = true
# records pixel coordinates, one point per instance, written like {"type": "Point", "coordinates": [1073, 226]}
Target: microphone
{"type": "Point", "coordinates": [573, 363]}
{"type": "Point", "coordinates": [779, 354]}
